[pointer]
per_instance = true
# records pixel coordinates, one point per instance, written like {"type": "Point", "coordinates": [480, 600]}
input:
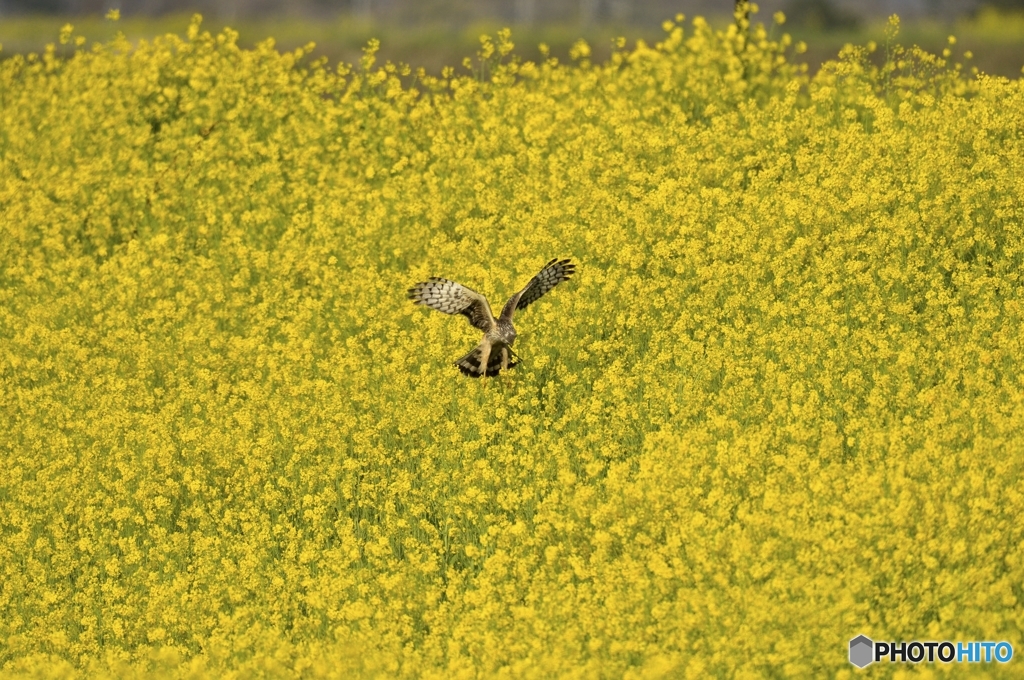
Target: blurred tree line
{"type": "Point", "coordinates": [825, 14]}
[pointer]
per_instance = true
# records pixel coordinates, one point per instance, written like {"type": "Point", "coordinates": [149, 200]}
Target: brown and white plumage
{"type": "Point", "coordinates": [494, 352]}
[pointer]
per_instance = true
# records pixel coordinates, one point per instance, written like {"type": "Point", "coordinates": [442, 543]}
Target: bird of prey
{"type": "Point", "coordinates": [494, 353]}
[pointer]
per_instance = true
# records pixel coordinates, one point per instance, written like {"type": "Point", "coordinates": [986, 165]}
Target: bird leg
{"type": "Point", "coordinates": [485, 357]}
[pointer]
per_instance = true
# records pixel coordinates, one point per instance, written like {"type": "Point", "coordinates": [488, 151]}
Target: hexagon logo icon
{"type": "Point", "coordinates": [861, 648]}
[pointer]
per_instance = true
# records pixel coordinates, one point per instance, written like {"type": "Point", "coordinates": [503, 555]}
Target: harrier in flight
{"type": "Point", "coordinates": [494, 353]}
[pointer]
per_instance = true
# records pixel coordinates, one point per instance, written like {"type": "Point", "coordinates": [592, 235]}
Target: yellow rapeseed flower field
{"type": "Point", "coordinates": [779, 405]}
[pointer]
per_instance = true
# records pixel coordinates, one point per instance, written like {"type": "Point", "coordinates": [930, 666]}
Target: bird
{"type": "Point", "coordinates": [494, 352]}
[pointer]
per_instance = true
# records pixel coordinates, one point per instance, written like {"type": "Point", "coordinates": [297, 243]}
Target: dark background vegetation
{"type": "Point", "coordinates": [435, 33]}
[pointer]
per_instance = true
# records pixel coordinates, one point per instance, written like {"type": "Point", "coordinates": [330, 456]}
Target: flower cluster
{"type": "Point", "coordinates": [780, 405]}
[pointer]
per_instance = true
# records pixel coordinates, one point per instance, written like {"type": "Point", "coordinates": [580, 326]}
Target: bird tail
{"type": "Point", "coordinates": [470, 364]}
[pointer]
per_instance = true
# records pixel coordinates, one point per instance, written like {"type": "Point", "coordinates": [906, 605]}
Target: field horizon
{"type": "Point", "coordinates": [996, 38]}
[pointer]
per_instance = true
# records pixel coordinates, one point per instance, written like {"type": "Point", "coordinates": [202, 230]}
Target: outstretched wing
{"type": "Point", "coordinates": [454, 298]}
{"type": "Point", "coordinates": [554, 273]}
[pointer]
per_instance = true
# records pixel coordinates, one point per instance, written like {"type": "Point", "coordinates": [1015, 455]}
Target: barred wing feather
{"type": "Point", "coordinates": [553, 273]}
{"type": "Point", "coordinates": [454, 298]}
